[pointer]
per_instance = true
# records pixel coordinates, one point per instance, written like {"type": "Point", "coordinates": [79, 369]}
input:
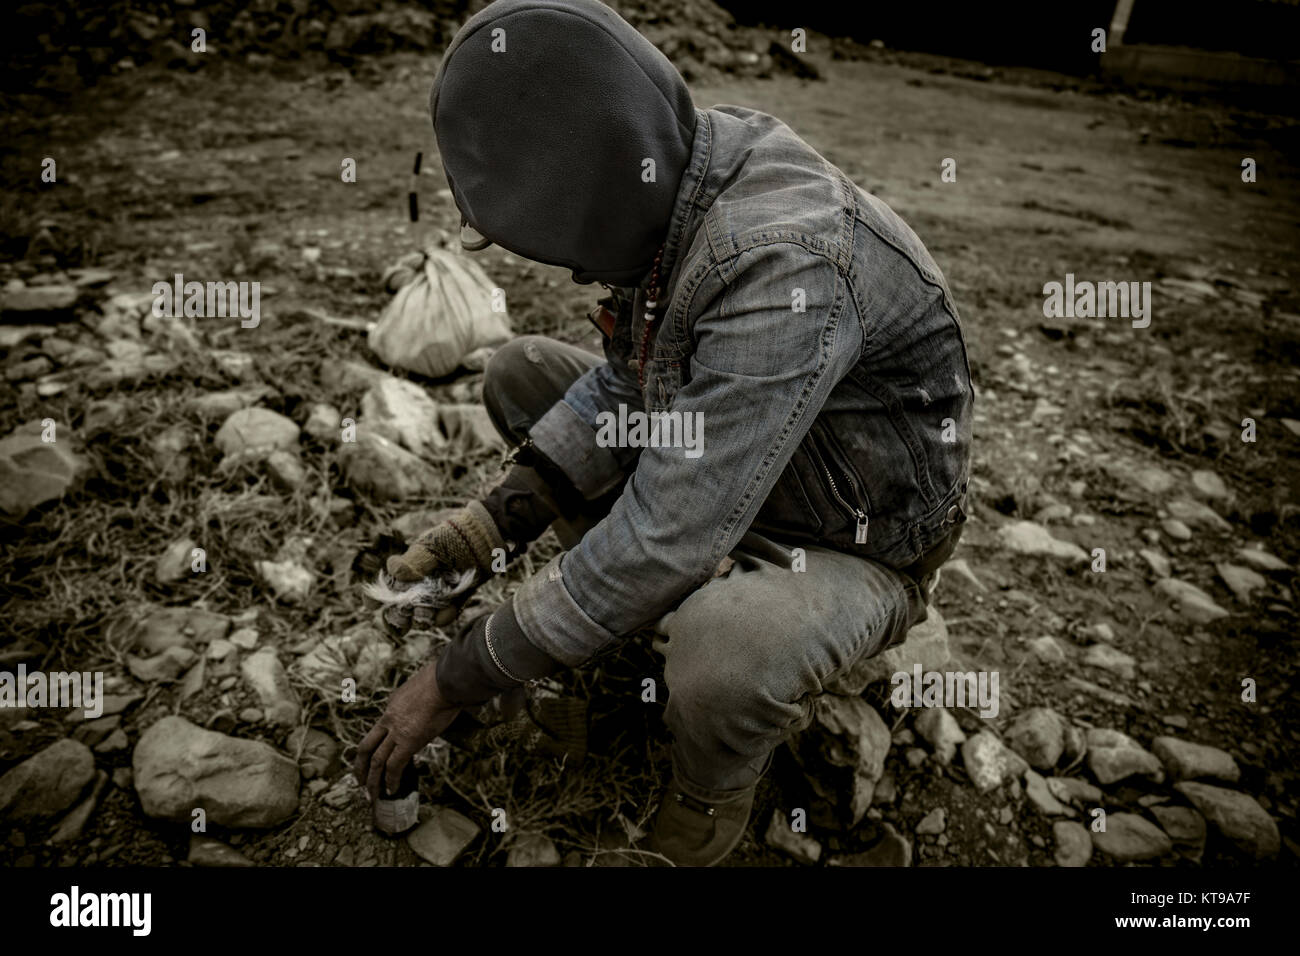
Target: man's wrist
{"type": "Point", "coordinates": [492, 656]}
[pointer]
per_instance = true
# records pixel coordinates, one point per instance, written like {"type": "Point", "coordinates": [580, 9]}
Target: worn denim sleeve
{"type": "Point", "coordinates": [566, 434]}
{"type": "Point", "coordinates": [759, 373]}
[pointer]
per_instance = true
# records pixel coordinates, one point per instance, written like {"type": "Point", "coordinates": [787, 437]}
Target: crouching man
{"type": "Point", "coordinates": [753, 288]}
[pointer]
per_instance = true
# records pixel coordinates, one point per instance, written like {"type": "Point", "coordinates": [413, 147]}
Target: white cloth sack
{"type": "Point", "coordinates": [441, 313]}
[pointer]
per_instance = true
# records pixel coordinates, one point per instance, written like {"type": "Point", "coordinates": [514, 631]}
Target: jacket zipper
{"type": "Point", "coordinates": [860, 536]}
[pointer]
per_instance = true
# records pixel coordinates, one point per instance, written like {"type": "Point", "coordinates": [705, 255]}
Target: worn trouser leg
{"type": "Point", "coordinates": [748, 651]}
{"type": "Point", "coordinates": [522, 381]}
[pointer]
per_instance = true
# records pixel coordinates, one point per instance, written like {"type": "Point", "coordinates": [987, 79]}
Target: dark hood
{"type": "Point", "coordinates": [543, 144]}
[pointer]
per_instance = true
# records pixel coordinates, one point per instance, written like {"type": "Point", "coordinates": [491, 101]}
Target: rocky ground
{"type": "Point", "coordinates": [1121, 690]}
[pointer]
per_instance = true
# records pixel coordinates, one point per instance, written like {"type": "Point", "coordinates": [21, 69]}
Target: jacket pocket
{"type": "Point", "coordinates": [843, 486]}
{"type": "Point", "coordinates": [788, 507]}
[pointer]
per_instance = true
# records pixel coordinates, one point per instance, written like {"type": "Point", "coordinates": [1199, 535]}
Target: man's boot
{"type": "Point", "coordinates": [690, 832]}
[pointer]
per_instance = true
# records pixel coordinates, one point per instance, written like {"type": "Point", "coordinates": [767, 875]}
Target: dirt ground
{"type": "Point", "coordinates": [236, 174]}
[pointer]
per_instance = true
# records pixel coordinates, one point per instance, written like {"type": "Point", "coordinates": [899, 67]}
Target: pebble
{"type": "Point", "coordinates": [534, 849]}
{"type": "Point", "coordinates": [1037, 790]}
{"type": "Point", "coordinates": [1073, 843]}
{"type": "Point", "coordinates": [1262, 560]}
{"type": "Point", "coordinates": [1047, 649]}
{"type": "Point", "coordinates": [989, 763]}
{"type": "Point", "coordinates": [1026, 537]}
{"type": "Point", "coordinates": [1186, 829]}
{"type": "Point", "coordinates": [47, 783]}
{"type": "Point", "coordinates": [1176, 529]}
{"type": "Point", "coordinates": [1194, 514]}
{"type": "Point", "coordinates": [1074, 791]}
{"type": "Point", "coordinates": [1209, 485]}
{"type": "Point", "coordinates": [893, 849]}
{"type": "Point", "coordinates": [207, 852]}
{"type": "Point", "coordinates": [1158, 563]}
{"type": "Point", "coordinates": [934, 822]}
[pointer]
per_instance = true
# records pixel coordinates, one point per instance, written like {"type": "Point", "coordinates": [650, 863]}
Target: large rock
{"type": "Point", "coordinates": [1112, 756]}
{"type": "Point", "coordinates": [362, 653]}
{"type": "Point", "coordinates": [179, 767]}
{"type": "Point", "coordinates": [926, 644]}
{"type": "Point", "coordinates": [1073, 843]}
{"type": "Point", "coordinates": [1026, 537]}
{"type": "Point", "coordinates": [386, 470]}
{"type": "Point", "coordinates": [1186, 760]}
{"type": "Point", "coordinates": [1129, 838]}
{"type": "Point", "coordinates": [33, 471]}
{"type": "Point", "coordinates": [1038, 735]}
{"type": "Point", "coordinates": [255, 432]}
{"type": "Point", "coordinates": [1186, 828]}
{"type": "Point", "coordinates": [1236, 816]}
{"type": "Point", "coordinates": [46, 783]}
{"type": "Point", "coordinates": [403, 412]}
{"type": "Point", "coordinates": [847, 733]}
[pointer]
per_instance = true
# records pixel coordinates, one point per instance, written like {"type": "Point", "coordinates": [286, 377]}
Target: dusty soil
{"type": "Point", "coordinates": [233, 174]}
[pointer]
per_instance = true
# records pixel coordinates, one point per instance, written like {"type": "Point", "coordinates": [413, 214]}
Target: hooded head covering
{"type": "Point", "coordinates": [564, 134]}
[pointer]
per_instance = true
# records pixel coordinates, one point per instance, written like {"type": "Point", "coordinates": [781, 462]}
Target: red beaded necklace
{"type": "Point", "coordinates": [651, 316]}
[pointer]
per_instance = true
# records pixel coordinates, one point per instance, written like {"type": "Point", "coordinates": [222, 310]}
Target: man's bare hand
{"type": "Point", "coordinates": [416, 714]}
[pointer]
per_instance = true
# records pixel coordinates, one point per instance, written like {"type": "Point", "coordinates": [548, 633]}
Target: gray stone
{"type": "Point", "coordinates": [934, 822]}
{"type": "Point", "coordinates": [1112, 756]}
{"type": "Point", "coordinates": [167, 627]}
{"type": "Point", "coordinates": [179, 767]}
{"type": "Point", "coordinates": [798, 846]}
{"type": "Point", "coordinates": [1107, 658]}
{"type": "Point", "coordinates": [383, 468]}
{"type": "Point", "coordinates": [349, 376]}
{"type": "Point", "coordinates": [1186, 760]}
{"type": "Point", "coordinates": [1129, 838]}
{"type": "Point", "coordinates": [1047, 649]}
{"type": "Point", "coordinates": [207, 852]}
{"type": "Point", "coordinates": [1209, 485]}
{"type": "Point", "coordinates": [316, 751]}
{"type": "Point", "coordinates": [1176, 529]}
{"type": "Point", "coordinates": [225, 403]}
{"type": "Point", "coordinates": [289, 581]}
{"type": "Point", "coordinates": [988, 762]}
{"type": "Point", "coordinates": [941, 731]}
{"type": "Point", "coordinates": [38, 302]}
{"type": "Point", "coordinates": [255, 432]}
{"type": "Point", "coordinates": [1158, 563]}
{"type": "Point", "coordinates": [1073, 843]}
{"type": "Point", "coordinates": [286, 469]}
{"type": "Point", "coordinates": [443, 837]}
{"type": "Point", "coordinates": [70, 827]}
{"type": "Point", "coordinates": [1240, 581]}
{"type": "Point", "coordinates": [470, 427]}
{"type": "Point", "coordinates": [1026, 537]}
{"type": "Point", "coordinates": [1235, 816]}
{"type": "Point", "coordinates": [853, 736]}
{"type": "Point", "coordinates": [46, 783]}
{"type": "Point", "coordinates": [1195, 514]}
{"type": "Point", "coordinates": [34, 471]}
{"type": "Point", "coordinates": [323, 423]}
{"type": "Point", "coordinates": [1041, 796]}
{"type": "Point", "coordinates": [1262, 560]}
{"type": "Point", "coordinates": [1193, 603]}
{"type": "Point", "coordinates": [176, 563]}
{"type": "Point", "coordinates": [1038, 735]}
{"type": "Point", "coordinates": [269, 680]}
{"type": "Point", "coordinates": [1186, 829]}
{"type": "Point", "coordinates": [167, 666]}
{"type": "Point", "coordinates": [533, 849]}
{"type": "Point", "coordinates": [403, 412]}
{"type": "Point", "coordinates": [1149, 478]}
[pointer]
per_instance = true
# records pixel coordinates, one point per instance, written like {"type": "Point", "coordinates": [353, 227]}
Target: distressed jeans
{"type": "Point", "coordinates": [746, 653]}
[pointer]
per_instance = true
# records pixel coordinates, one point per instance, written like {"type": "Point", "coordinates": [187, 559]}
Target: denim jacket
{"type": "Point", "coordinates": [813, 331]}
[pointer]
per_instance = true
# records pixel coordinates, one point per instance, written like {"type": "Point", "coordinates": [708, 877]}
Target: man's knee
{"type": "Point", "coordinates": [511, 373]}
